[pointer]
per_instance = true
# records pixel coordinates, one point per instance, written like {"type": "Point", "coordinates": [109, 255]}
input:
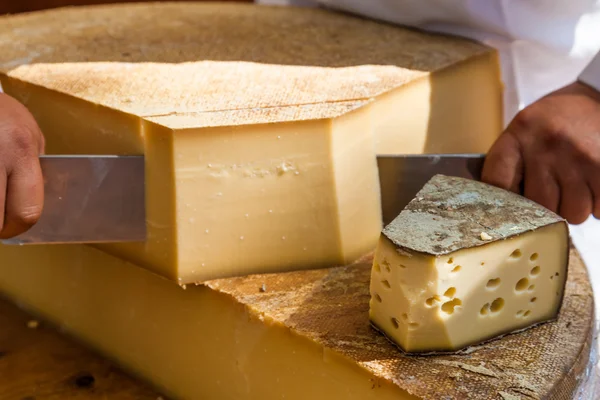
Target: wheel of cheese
{"type": "Point", "coordinates": [260, 125]}
{"type": "Point", "coordinates": [301, 335]}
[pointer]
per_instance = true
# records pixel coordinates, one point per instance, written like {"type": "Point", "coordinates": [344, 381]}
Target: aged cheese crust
{"type": "Point", "coordinates": [452, 213]}
{"type": "Point", "coordinates": [209, 106]}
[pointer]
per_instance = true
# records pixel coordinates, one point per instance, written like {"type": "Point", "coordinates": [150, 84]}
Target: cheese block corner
{"type": "Point", "coordinates": [466, 262]}
{"type": "Point", "coordinates": [260, 141]}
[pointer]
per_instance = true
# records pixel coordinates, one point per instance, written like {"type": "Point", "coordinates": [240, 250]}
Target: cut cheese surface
{"type": "Point", "coordinates": [300, 335]}
{"type": "Point", "coordinates": [260, 141]}
{"type": "Point", "coordinates": [428, 303]}
{"type": "Point", "coordinates": [485, 262]}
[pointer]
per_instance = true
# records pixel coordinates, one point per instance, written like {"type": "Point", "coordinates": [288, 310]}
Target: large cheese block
{"type": "Point", "coordinates": [296, 336]}
{"type": "Point", "coordinates": [465, 262]}
{"type": "Point", "coordinates": [259, 124]}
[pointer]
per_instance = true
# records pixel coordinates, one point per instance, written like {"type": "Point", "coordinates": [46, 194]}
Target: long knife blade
{"type": "Point", "coordinates": [90, 199]}
{"type": "Point", "coordinates": [402, 176]}
{"type": "Point", "coordinates": [99, 199]}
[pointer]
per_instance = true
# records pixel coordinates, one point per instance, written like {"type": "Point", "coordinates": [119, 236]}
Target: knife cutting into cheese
{"type": "Point", "coordinates": [101, 199]}
{"type": "Point", "coordinates": [402, 176]}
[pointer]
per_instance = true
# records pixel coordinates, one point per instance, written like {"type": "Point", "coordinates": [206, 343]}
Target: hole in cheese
{"type": "Point", "coordinates": [535, 270]}
{"type": "Point", "coordinates": [386, 283]}
{"type": "Point", "coordinates": [516, 254]}
{"type": "Point", "coordinates": [530, 288]}
{"type": "Point", "coordinates": [522, 285]}
{"type": "Point", "coordinates": [395, 323]}
{"type": "Point", "coordinates": [485, 309]}
{"type": "Point", "coordinates": [493, 283]}
{"type": "Point", "coordinates": [450, 260]}
{"type": "Point", "coordinates": [378, 298]}
{"type": "Point", "coordinates": [534, 257]}
{"type": "Point", "coordinates": [413, 325]}
{"type": "Point", "coordinates": [533, 299]}
{"type": "Point", "coordinates": [457, 268]}
{"type": "Point", "coordinates": [405, 316]}
{"type": "Point", "coordinates": [402, 266]}
{"type": "Point", "coordinates": [520, 313]}
{"type": "Point", "coordinates": [386, 264]}
{"type": "Point", "coordinates": [482, 263]}
{"type": "Point", "coordinates": [556, 274]}
{"type": "Point", "coordinates": [450, 292]}
{"type": "Point", "coordinates": [527, 313]}
{"type": "Point", "coordinates": [497, 305]}
{"type": "Point", "coordinates": [449, 306]}
{"type": "Point", "coordinates": [430, 302]}
{"type": "Point", "coordinates": [377, 267]}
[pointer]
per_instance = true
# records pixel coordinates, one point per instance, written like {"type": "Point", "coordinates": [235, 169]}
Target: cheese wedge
{"type": "Point", "coordinates": [296, 336]}
{"type": "Point", "coordinates": [465, 262]}
{"type": "Point", "coordinates": [260, 141]}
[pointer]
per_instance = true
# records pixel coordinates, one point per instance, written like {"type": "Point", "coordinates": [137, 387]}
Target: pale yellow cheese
{"type": "Point", "coordinates": [435, 114]}
{"type": "Point", "coordinates": [260, 141]}
{"type": "Point", "coordinates": [275, 197]}
{"type": "Point", "coordinates": [466, 262]}
{"type": "Point", "coordinates": [197, 343]}
{"type": "Point", "coordinates": [426, 303]}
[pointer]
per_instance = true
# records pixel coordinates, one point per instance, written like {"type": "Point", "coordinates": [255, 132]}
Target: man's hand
{"type": "Point", "coordinates": [21, 182]}
{"type": "Point", "coordinates": [554, 146]}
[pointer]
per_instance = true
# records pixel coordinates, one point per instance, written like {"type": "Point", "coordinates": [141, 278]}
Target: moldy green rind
{"type": "Point", "coordinates": [451, 213]}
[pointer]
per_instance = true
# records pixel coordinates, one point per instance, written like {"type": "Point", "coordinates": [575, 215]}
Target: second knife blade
{"type": "Point", "coordinates": [402, 176]}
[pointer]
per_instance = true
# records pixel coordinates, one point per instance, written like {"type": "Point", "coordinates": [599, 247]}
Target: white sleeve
{"type": "Point", "coordinates": [591, 74]}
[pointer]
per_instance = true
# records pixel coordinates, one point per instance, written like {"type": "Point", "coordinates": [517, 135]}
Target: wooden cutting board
{"type": "Point", "coordinates": [40, 363]}
{"type": "Point", "coordinates": [43, 364]}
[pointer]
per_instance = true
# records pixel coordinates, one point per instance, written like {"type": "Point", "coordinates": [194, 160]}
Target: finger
{"type": "Point", "coordinates": [541, 185]}
{"type": "Point", "coordinates": [24, 198]}
{"type": "Point", "coordinates": [594, 185]}
{"type": "Point", "coordinates": [503, 165]}
{"type": "Point", "coordinates": [576, 202]}
{"type": "Point", "coordinates": [42, 145]}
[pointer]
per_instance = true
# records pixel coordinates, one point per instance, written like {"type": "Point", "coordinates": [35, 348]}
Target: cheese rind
{"type": "Point", "coordinates": [464, 263]}
{"type": "Point", "coordinates": [260, 142]}
{"type": "Point", "coordinates": [451, 213]}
